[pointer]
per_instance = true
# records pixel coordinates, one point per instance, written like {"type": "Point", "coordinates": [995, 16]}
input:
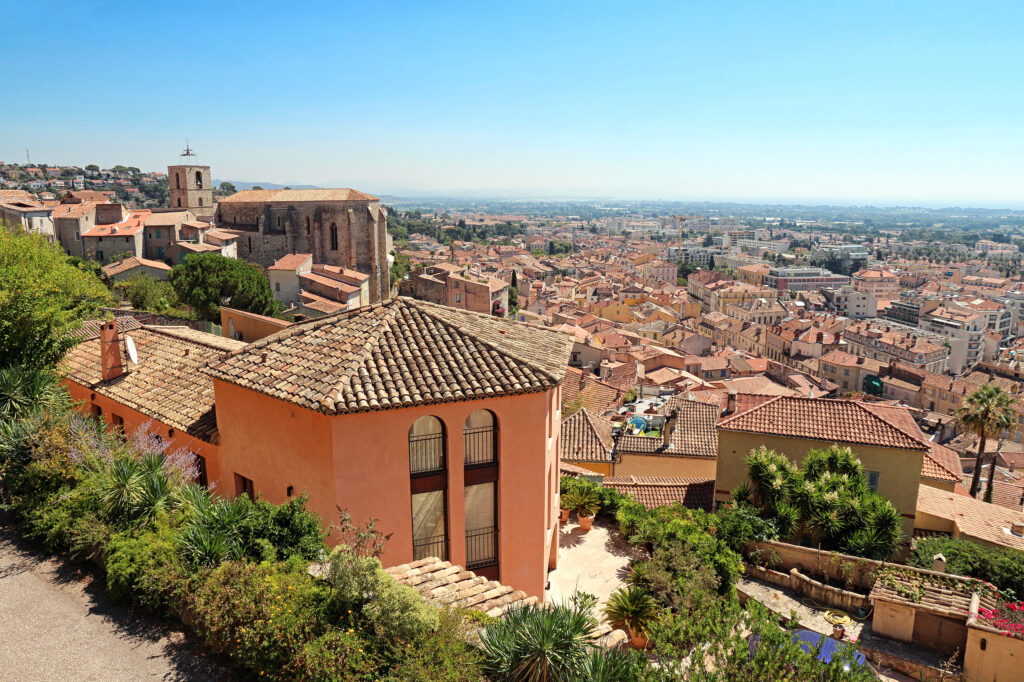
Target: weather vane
{"type": "Point", "coordinates": [188, 153]}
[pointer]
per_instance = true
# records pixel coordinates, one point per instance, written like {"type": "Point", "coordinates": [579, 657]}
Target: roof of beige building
{"type": "Point", "coordinates": [297, 195]}
{"type": "Point", "coordinates": [692, 433]}
{"type": "Point", "coordinates": [133, 262]}
{"type": "Point", "coordinates": [587, 437]}
{"type": "Point", "coordinates": [397, 354]}
{"type": "Point", "coordinates": [842, 421]}
{"type": "Point", "coordinates": [166, 385]}
{"type": "Point", "coordinates": [972, 519]}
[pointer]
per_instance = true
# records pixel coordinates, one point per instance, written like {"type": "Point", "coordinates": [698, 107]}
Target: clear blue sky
{"type": "Point", "coordinates": [887, 102]}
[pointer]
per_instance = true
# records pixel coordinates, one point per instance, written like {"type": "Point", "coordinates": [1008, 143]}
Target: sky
{"type": "Point", "coordinates": [885, 103]}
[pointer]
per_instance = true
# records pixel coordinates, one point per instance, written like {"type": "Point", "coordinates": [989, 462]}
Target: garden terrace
{"type": "Point", "coordinates": [929, 591]}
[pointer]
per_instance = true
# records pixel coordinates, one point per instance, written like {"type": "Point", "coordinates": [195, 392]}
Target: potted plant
{"type": "Point", "coordinates": [632, 609]}
{"type": "Point", "coordinates": [585, 501]}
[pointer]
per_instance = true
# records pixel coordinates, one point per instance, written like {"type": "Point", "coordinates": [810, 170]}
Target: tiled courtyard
{"type": "Point", "coordinates": [596, 562]}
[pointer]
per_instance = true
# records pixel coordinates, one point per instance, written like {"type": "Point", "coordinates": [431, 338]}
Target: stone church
{"type": "Point", "coordinates": [340, 227]}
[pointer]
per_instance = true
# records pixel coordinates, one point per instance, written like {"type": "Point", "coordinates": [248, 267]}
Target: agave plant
{"type": "Point", "coordinates": [632, 609]}
{"type": "Point", "coordinates": [24, 390]}
{"type": "Point", "coordinates": [539, 643]}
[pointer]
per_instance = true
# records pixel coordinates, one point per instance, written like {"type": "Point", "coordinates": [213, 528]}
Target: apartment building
{"type": "Point", "coordinates": [962, 330]}
{"type": "Point", "coordinates": [850, 302]}
{"type": "Point", "coordinates": [897, 342]}
{"type": "Point", "coordinates": [803, 279]}
{"type": "Point", "coordinates": [882, 284]}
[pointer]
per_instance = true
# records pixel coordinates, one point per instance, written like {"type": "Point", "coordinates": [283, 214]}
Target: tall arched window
{"type": "Point", "coordinates": [480, 438]}
{"type": "Point", "coordinates": [199, 179]}
{"type": "Point", "coordinates": [200, 201]}
{"type": "Point", "coordinates": [179, 202]}
{"type": "Point", "coordinates": [177, 181]}
{"type": "Point", "coordinates": [334, 237]}
{"type": "Point", "coordinates": [429, 482]}
{"type": "Point", "coordinates": [480, 434]}
{"type": "Point", "coordinates": [307, 225]}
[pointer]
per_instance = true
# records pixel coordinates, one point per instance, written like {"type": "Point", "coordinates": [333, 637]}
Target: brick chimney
{"type": "Point", "coordinates": [110, 351]}
{"type": "Point", "coordinates": [730, 403]}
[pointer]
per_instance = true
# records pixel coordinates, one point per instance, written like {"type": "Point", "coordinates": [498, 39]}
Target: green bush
{"type": "Point", "coordinates": [1003, 567]}
{"type": "Point", "coordinates": [279, 531]}
{"type": "Point", "coordinates": [144, 570]}
{"type": "Point", "coordinates": [259, 614]}
{"type": "Point", "coordinates": [338, 656]}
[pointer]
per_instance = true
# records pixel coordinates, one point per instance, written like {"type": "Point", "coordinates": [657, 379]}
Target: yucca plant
{"type": "Point", "coordinates": [539, 643]}
{"type": "Point", "coordinates": [632, 609]}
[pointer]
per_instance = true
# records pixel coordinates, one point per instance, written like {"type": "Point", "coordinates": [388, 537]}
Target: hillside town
{"type": "Point", "coordinates": [833, 406]}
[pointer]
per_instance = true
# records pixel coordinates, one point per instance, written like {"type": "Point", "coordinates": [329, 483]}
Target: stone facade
{"type": "Point", "coordinates": [191, 188]}
{"type": "Point", "coordinates": [340, 227]}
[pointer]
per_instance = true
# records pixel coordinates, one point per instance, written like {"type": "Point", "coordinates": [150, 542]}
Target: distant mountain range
{"type": "Point", "coordinates": [243, 184]}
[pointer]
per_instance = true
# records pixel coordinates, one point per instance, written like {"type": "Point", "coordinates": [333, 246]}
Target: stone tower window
{"type": "Point", "coordinates": [334, 237]}
{"type": "Point", "coordinates": [307, 225]}
{"type": "Point", "coordinates": [200, 201]}
{"type": "Point", "coordinates": [179, 202]}
{"type": "Point", "coordinates": [199, 179]}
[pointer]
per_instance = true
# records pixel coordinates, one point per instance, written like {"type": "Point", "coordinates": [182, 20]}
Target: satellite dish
{"type": "Point", "coordinates": [129, 344]}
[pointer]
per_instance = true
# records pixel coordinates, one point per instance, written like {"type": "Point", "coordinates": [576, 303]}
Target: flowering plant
{"type": "Point", "coordinates": [1007, 616]}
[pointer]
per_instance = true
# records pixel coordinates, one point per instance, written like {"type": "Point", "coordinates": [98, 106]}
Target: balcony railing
{"type": "Point", "coordinates": [430, 546]}
{"type": "Point", "coordinates": [481, 445]}
{"type": "Point", "coordinates": [426, 453]}
{"type": "Point", "coordinates": [481, 548]}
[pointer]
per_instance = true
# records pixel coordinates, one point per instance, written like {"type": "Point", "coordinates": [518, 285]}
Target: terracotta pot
{"type": "Point", "coordinates": [637, 640]}
{"type": "Point", "coordinates": [563, 515]}
{"type": "Point", "coordinates": [586, 522]}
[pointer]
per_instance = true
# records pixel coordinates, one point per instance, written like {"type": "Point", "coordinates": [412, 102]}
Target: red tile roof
{"type": "Point", "coordinates": [659, 491]}
{"type": "Point", "coordinates": [586, 437]}
{"type": "Point", "coordinates": [841, 421]}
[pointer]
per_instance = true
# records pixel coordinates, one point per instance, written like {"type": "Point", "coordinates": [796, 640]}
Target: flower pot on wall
{"type": "Point", "coordinates": [586, 522]}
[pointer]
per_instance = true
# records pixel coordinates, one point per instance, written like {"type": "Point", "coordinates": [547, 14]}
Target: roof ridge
{"type": "Point", "coordinates": [750, 409]}
{"type": "Point", "coordinates": [890, 425]}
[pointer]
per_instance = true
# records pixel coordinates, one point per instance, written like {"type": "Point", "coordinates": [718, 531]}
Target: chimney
{"type": "Point", "coordinates": [730, 403]}
{"type": "Point", "coordinates": [939, 563]}
{"type": "Point", "coordinates": [1013, 465]}
{"type": "Point", "coordinates": [110, 351]}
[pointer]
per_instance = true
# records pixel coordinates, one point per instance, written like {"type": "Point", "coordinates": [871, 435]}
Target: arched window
{"type": "Point", "coordinates": [429, 483]}
{"type": "Point", "coordinates": [200, 201]}
{"type": "Point", "coordinates": [480, 434]}
{"type": "Point", "coordinates": [480, 437]}
{"type": "Point", "coordinates": [179, 202]}
{"type": "Point", "coordinates": [177, 182]}
{"type": "Point", "coordinates": [426, 446]}
{"type": "Point", "coordinates": [307, 225]}
{"type": "Point", "coordinates": [334, 237]}
{"type": "Point", "coordinates": [199, 179]}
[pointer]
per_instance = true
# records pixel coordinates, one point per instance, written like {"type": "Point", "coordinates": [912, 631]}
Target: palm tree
{"type": "Point", "coordinates": [985, 413]}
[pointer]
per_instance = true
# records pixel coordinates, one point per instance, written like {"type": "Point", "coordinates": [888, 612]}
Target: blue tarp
{"type": "Point", "coordinates": [809, 640]}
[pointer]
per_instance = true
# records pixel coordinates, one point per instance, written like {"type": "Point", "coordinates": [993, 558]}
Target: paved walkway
{"type": "Point", "coordinates": [56, 624]}
{"type": "Point", "coordinates": [596, 562]}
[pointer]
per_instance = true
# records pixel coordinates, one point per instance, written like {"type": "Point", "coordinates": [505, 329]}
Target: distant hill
{"type": "Point", "coordinates": [242, 184]}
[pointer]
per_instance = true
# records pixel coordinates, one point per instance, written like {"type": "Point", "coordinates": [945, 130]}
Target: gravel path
{"type": "Point", "coordinates": [56, 623]}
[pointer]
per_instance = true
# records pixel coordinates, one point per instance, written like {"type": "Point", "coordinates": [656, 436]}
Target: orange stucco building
{"type": "Point", "coordinates": [442, 424]}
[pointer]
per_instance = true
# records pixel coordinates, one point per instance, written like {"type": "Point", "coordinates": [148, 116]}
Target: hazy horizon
{"type": "Point", "coordinates": [881, 104]}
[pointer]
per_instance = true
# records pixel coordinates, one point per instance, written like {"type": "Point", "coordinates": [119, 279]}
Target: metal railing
{"type": "Point", "coordinates": [481, 444]}
{"type": "Point", "coordinates": [426, 453]}
{"type": "Point", "coordinates": [431, 546]}
{"type": "Point", "coordinates": [481, 547]}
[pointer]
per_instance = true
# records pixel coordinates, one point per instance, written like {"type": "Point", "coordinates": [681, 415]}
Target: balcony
{"type": "Point", "coordinates": [430, 546]}
{"type": "Point", "coordinates": [480, 445]}
{"type": "Point", "coordinates": [426, 454]}
{"type": "Point", "coordinates": [481, 548]}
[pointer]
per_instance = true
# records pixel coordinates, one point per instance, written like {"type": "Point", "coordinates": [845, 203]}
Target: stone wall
{"type": "Point", "coordinates": [850, 570]}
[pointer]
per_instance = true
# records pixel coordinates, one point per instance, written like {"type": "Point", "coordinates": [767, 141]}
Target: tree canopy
{"type": "Point", "coordinates": [43, 298]}
{"type": "Point", "coordinates": [826, 501]}
{"type": "Point", "coordinates": [986, 412]}
{"type": "Point", "coordinates": [206, 281]}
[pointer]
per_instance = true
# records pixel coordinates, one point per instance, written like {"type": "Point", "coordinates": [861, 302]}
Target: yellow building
{"type": "Point", "coordinates": [895, 458]}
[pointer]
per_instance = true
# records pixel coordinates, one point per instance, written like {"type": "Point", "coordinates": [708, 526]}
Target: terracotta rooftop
{"type": "Point", "coordinates": [91, 328]}
{"type": "Point", "coordinates": [841, 421]}
{"type": "Point", "coordinates": [447, 584]}
{"type": "Point", "coordinates": [598, 396]}
{"type": "Point", "coordinates": [586, 437]}
{"type": "Point", "coordinates": [166, 218]}
{"type": "Point", "coordinates": [297, 195]}
{"type": "Point", "coordinates": [692, 433]}
{"type": "Point", "coordinates": [659, 491]}
{"type": "Point", "coordinates": [939, 593]}
{"type": "Point", "coordinates": [290, 262]}
{"type": "Point", "coordinates": [397, 354]}
{"type": "Point", "coordinates": [166, 385]}
{"type": "Point", "coordinates": [133, 262]}
{"type": "Point", "coordinates": [970, 518]}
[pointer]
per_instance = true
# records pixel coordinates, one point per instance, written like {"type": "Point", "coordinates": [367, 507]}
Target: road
{"type": "Point", "coordinates": [56, 623]}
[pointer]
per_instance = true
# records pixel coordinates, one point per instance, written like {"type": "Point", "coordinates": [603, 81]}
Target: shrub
{"type": "Point", "coordinates": [362, 588]}
{"type": "Point", "coordinates": [1003, 567]}
{"type": "Point", "coordinates": [278, 531]}
{"type": "Point", "coordinates": [442, 655]}
{"type": "Point", "coordinates": [259, 614]}
{"type": "Point", "coordinates": [144, 570]}
{"type": "Point", "coordinates": [338, 655]}
{"type": "Point", "coordinates": [540, 642]}
{"type": "Point", "coordinates": [739, 524]}
{"type": "Point", "coordinates": [631, 608]}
